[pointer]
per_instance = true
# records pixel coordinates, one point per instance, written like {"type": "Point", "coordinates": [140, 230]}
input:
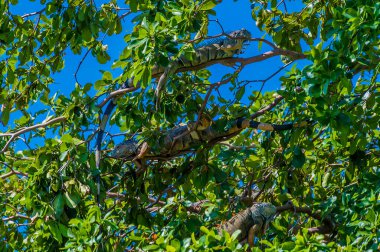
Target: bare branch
{"type": "Point", "coordinates": [276, 101]}
{"type": "Point", "coordinates": [117, 93]}
{"type": "Point", "coordinates": [84, 57]}
{"type": "Point", "coordinates": [20, 216]}
{"type": "Point", "coordinates": [243, 61]}
{"type": "Point", "coordinates": [33, 13]}
{"type": "Point", "coordinates": [169, 188]}
{"type": "Point", "coordinates": [27, 129]}
{"type": "Point", "coordinates": [120, 195]}
{"type": "Point", "coordinates": [13, 172]}
{"type": "Point", "coordinates": [80, 64]}
{"type": "Point", "coordinates": [125, 14]}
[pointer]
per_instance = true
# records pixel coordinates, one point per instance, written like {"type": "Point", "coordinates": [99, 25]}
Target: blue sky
{"type": "Point", "coordinates": [232, 16]}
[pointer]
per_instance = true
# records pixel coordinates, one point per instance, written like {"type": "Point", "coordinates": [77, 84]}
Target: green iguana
{"type": "Point", "coordinates": [214, 50]}
{"type": "Point", "coordinates": [222, 48]}
{"type": "Point", "coordinates": [250, 221]}
{"type": "Point", "coordinates": [185, 138]}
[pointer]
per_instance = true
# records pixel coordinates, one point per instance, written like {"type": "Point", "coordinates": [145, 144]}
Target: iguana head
{"type": "Point", "coordinates": [241, 36]}
{"type": "Point", "coordinates": [125, 150]}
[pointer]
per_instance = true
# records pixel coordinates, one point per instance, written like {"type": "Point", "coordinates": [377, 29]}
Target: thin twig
{"type": "Point", "coordinates": [276, 101]}
{"type": "Point", "coordinates": [85, 55]}
{"type": "Point", "coordinates": [125, 14]}
{"type": "Point", "coordinates": [80, 64]}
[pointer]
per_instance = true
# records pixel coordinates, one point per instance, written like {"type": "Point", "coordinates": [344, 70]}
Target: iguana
{"type": "Point", "coordinates": [221, 48]}
{"type": "Point", "coordinates": [185, 138]}
{"type": "Point", "coordinates": [250, 221]}
{"type": "Point", "coordinates": [213, 50]}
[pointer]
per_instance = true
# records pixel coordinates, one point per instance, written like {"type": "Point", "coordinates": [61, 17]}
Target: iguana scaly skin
{"type": "Point", "coordinates": [220, 49]}
{"type": "Point", "coordinates": [250, 221]}
{"type": "Point", "coordinates": [184, 138]}
{"type": "Point", "coordinates": [223, 48]}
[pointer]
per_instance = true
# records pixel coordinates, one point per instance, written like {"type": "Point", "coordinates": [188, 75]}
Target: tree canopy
{"type": "Point", "coordinates": [322, 173]}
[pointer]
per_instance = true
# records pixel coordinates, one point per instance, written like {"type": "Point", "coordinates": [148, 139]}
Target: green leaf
{"type": "Point", "coordinates": [204, 230]}
{"type": "Point", "coordinates": [55, 231]}
{"type": "Point", "coordinates": [299, 158]}
{"type": "Point", "coordinates": [100, 84]}
{"type": "Point", "coordinates": [315, 90]}
{"type": "Point", "coordinates": [240, 93]}
{"type": "Point", "coordinates": [63, 230]}
{"type": "Point", "coordinates": [207, 5]}
{"type": "Point", "coordinates": [72, 199]}
{"type": "Point", "coordinates": [235, 234]}
{"type": "Point", "coordinates": [150, 247]}
{"type": "Point", "coordinates": [58, 205]}
{"type": "Point", "coordinates": [67, 139]}
{"type": "Point", "coordinates": [288, 246]}
{"type": "Point", "coordinates": [5, 116]}
{"type": "Point", "coordinates": [170, 248]}
{"type": "Point", "coordinates": [137, 43]}
{"type": "Point", "coordinates": [107, 76]}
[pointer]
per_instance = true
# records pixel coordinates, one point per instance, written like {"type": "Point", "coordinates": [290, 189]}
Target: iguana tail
{"type": "Point", "coordinates": [275, 127]}
{"type": "Point", "coordinates": [102, 125]}
{"type": "Point", "coordinates": [244, 123]}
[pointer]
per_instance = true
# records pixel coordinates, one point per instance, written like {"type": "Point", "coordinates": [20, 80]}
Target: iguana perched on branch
{"type": "Point", "coordinates": [185, 138]}
{"type": "Point", "coordinates": [213, 50]}
{"type": "Point", "coordinates": [221, 48]}
{"type": "Point", "coordinates": [250, 221]}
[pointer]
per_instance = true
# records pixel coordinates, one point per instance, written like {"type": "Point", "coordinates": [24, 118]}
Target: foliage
{"type": "Point", "coordinates": [49, 192]}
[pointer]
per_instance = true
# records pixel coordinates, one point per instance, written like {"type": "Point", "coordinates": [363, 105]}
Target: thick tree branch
{"type": "Point", "coordinates": [327, 226]}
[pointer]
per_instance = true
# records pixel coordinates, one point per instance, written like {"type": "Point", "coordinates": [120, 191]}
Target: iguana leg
{"type": "Point", "coordinates": [139, 159]}
{"type": "Point", "coordinates": [143, 151]}
{"type": "Point", "coordinates": [193, 127]}
{"type": "Point", "coordinates": [251, 234]}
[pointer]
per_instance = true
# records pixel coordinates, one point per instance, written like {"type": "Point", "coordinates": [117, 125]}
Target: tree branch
{"type": "Point", "coordinates": [20, 216]}
{"type": "Point", "coordinates": [13, 172]}
{"type": "Point", "coordinates": [276, 101]}
{"type": "Point", "coordinates": [33, 13]}
{"type": "Point", "coordinates": [27, 129]}
{"type": "Point", "coordinates": [327, 226]}
{"type": "Point", "coordinates": [117, 93]}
